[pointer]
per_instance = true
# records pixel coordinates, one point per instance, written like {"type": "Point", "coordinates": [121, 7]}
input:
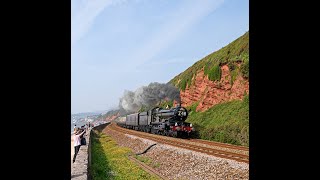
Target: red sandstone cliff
{"type": "Point", "coordinates": [210, 93]}
{"type": "Point", "coordinates": [112, 117]}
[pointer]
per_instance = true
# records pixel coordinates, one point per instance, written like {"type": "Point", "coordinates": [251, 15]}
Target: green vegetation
{"type": "Point", "coordinates": [147, 161]}
{"type": "Point", "coordinates": [244, 68]}
{"type": "Point", "coordinates": [186, 81]}
{"type": "Point", "coordinates": [214, 73]}
{"type": "Point", "coordinates": [183, 84]}
{"type": "Point", "coordinates": [234, 71]}
{"type": "Point", "coordinates": [236, 51]}
{"type": "Point", "coordinates": [110, 161]}
{"type": "Point", "coordinates": [226, 122]}
{"type": "Point", "coordinates": [192, 109]}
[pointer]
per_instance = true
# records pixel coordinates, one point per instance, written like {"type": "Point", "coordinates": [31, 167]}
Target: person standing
{"type": "Point", "coordinates": [77, 143]}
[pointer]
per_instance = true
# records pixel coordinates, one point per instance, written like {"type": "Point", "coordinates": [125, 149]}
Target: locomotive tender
{"type": "Point", "coordinates": [167, 122]}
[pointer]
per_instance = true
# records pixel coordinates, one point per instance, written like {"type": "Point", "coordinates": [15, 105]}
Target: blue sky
{"type": "Point", "coordinates": [119, 45]}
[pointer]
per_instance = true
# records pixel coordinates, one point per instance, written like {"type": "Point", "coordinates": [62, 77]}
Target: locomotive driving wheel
{"type": "Point", "coordinates": [175, 134]}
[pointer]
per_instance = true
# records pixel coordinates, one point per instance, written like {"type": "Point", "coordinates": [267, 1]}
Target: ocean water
{"type": "Point", "coordinates": [79, 124]}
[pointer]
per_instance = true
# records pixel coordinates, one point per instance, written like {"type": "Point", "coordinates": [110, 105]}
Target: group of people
{"type": "Point", "coordinates": [78, 139]}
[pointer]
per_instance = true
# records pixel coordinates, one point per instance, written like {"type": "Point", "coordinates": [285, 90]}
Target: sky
{"type": "Point", "coordinates": [119, 45]}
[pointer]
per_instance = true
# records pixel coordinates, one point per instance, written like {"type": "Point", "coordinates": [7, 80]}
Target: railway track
{"type": "Point", "coordinates": [147, 168]}
{"type": "Point", "coordinates": [184, 144]}
{"type": "Point", "coordinates": [211, 143]}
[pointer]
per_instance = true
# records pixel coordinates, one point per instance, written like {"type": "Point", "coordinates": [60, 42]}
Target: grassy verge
{"type": "Point", "coordinates": [147, 161]}
{"type": "Point", "coordinates": [227, 122]}
{"type": "Point", "coordinates": [110, 161]}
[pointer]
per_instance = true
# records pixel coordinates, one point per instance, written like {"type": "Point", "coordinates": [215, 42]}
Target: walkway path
{"type": "Point", "coordinates": [80, 167]}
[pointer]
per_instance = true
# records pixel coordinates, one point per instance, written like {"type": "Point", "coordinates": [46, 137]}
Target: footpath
{"type": "Point", "coordinates": [79, 169]}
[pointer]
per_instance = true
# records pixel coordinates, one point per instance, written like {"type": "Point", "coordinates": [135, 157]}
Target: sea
{"type": "Point", "coordinates": [79, 124]}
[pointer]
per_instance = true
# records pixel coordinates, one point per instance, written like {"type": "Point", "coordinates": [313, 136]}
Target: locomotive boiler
{"type": "Point", "coordinates": [168, 122]}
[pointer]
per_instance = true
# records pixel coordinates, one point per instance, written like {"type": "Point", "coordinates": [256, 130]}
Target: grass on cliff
{"type": "Point", "coordinates": [235, 52]}
{"type": "Point", "coordinates": [226, 122]}
{"type": "Point", "coordinates": [110, 161]}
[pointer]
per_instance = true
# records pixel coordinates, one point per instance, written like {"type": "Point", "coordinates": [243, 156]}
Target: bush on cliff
{"type": "Point", "coordinates": [236, 51]}
{"type": "Point", "coordinates": [226, 122]}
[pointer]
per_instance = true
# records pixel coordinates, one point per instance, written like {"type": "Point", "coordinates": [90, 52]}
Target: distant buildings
{"type": "Point", "coordinates": [86, 119]}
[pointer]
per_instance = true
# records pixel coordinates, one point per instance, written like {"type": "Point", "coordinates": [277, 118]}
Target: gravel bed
{"type": "Point", "coordinates": [244, 152]}
{"type": "Point", "coordinates": [179, 163]}
{"type": "Point", "coordinates": [216, 147]}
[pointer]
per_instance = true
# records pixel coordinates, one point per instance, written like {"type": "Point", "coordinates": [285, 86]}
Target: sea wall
{"type": "Point", "coordinates": [80, 169]}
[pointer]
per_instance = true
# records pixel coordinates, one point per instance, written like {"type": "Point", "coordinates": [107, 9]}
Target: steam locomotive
{"type": "Point", "coordinates": [167, 122]}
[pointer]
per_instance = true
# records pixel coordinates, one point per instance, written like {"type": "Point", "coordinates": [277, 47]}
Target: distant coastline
{"type": "Point", "coordinates": [79, 124]}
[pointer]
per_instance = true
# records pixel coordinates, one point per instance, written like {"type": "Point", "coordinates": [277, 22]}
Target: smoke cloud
{"type": "Point", "coordinates": [148, 96]}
